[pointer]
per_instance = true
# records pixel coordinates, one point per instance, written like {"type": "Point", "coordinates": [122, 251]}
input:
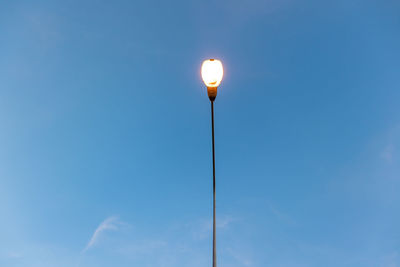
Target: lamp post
{"type": "Point", "coordinates": [212, 73]}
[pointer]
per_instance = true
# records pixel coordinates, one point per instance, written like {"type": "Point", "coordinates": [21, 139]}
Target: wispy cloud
{"type": "Point", "coordinates": [280, 214]}
{"type": "Point", "coordinates": [109, 224]}
{"type": "Point", "coordinates": [391, 144]}
{"type": "Point", "coordinates": [203, 229]}
{"type": "Point", "coordinates": [387, 153]}
{"type": "Point", "coordinates": [240, 257]}
{"type": "Point", "coordinates": [14, 255]}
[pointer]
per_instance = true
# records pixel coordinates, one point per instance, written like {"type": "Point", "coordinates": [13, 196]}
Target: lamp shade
{"type": "Point", "coordinates": [212, 72]}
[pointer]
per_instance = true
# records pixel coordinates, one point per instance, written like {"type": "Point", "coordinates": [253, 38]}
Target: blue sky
{"type": "Point", "coordinates": [105, 140]}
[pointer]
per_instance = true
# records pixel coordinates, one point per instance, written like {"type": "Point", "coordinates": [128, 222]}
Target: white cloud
{"type": "Point", "coordinates": [111, 223]}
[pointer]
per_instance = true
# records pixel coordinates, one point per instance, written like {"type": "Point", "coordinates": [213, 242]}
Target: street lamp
{"type": "Point", "coordinates": [212, 73]}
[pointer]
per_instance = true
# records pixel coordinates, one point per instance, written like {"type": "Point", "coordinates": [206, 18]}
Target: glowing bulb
{"type": "Point", "coordinates": [212, 72]}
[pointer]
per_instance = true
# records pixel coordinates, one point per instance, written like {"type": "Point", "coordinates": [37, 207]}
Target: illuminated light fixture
{"type": "Point", "coordinates": [212, 73]}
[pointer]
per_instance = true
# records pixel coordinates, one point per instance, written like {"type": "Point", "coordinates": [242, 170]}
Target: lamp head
{"type": "Point", "coordinates": [212, 73]}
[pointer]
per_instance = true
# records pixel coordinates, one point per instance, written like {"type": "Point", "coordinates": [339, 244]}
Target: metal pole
{"type": "Point", "coordinates": [213, 155]}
